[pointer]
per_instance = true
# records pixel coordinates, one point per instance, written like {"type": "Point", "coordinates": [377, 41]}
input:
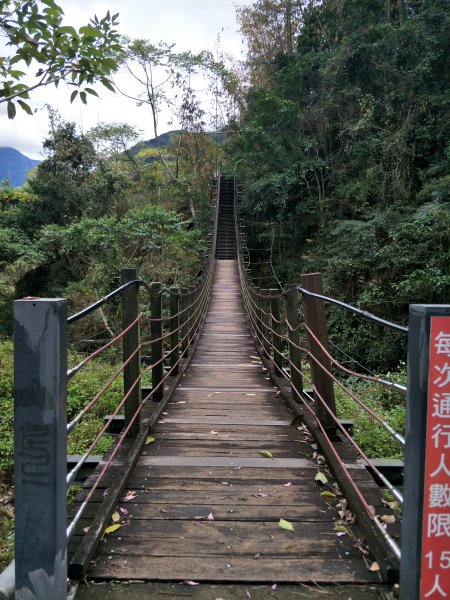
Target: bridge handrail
{"type": "Point", "coordinates": [170, 331]}
{"type": "Point", "coordinates": [357, 311]}
{"type": "Point", "coordinates": [279, 328]}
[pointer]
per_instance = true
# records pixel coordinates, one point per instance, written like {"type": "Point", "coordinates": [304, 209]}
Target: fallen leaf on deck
{"type": "Point", "coordinates": [225, 483]}
{"type": "Point", "coordinates": [374, 567]}
{"type": "Point", "coordinates": [328, 494]}
{"type": "Point", "coordinates": [214, 432]}
{"type": "Point", "coordinates": [341, 529]}
{"type": "Point", "coordinates": [287, 525]}
{"type": "Point", "coordinates": [321, 477]}
{"type": "Point", "coordinates": [248, 594]}
{"type": "Point", "coordinates": [123, 511]}
{"type": "Point", "coordinates": [210, 517]}
{"type": "Point", "coordinates": [112, 528]}
{"type": "Point", "coordinates": [387, 519]}
{"type": "Point", "coordinates": [288, 484]}
{"type": "Point", "coordinates": [150, 440]}
{"type": "Point", "coordinates": [85, 529]}
{"type": "Point", "coordinates": [274, 587]}
{"type": "Point", "coordinates": [115, 517]}
{"type": "Point", "coordinates": [250, 394]}
{"type": "Point", "coordinates": [190, 583]}
{"type": "Point", "coordinates": [266, 454]}
{"type": "Point", "coordinates": [261, 495]}
{"type": "Point", "coordinates": [106, 492]}
{"type": "Point", "coordinates": [130, 496]}
{"type": "Point", "coordinates": [181, 402]}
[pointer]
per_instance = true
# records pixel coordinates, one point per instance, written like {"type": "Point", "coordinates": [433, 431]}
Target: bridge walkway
{"type": "Point", "coordinates": [205, 500]}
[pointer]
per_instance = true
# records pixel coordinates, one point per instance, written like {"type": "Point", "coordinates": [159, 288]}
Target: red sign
{"type": "Point", "coordinates": [435, 575]}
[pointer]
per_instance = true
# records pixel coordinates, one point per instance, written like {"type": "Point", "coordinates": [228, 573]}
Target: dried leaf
{"type": "Point", "coordinates": [112, 528]}
{"type": "Point", "coordinates": [225, 483]}
{"type": "Point", "coordinates": [328, 494]}
{"type": "Point", "coordinates": [250, 394]}
{"type": "Point", "coordinates": [249, 596]}
{"type": "Point", "coordinates": [393, 505]}
{"type": "Point", "coordinates": [287, 525]}
{"type": "Point", "coordinates": [288, 484]}
{"type": "Point", "coordinates": [374, 567]}
{"type": "Point", "coordinates": [124, 511]}
{"type": "Point", "coordinates": [106, 492]}
{"type": "Point", "coordinates": [266, 454]}
{"type": "Point", "coordinates": [85, 529]}
{"type": "Point", "coordinates": [387, 519]}
{"type": "Point", "coordinates": [115, 517]}
{"type": "Point", "coordinates": [210, 517]}
{"type": "Point", "coordinates": [274, 587]}
{"type": "Point", "coordinates": [130, 496]}
{"type": "Point", "coordinates": [150, 440]}
{"type": "Point", "coordinates": [191, 583]}
{"type": "Point", "coordinates": [261, 495]}
{"type": "Point", "coordinates": [214, 432]}
{"type": "Point", "coordinates": [321, 477]}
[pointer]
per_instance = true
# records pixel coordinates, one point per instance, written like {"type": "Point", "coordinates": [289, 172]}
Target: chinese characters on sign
{"type": "Point", "coordinates": [435, 576]}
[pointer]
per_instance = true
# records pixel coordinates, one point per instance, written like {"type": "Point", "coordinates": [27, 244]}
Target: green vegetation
{"type": "Point", "coordinates": [37, 37]}
{"type": "Point", "coordinates": [343, 152]}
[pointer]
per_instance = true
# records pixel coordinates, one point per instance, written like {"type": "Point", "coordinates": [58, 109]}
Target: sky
{"type": "Point", "coordinates": [190, 24]}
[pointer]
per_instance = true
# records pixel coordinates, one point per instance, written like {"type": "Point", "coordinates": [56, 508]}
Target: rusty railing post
{"type": "Point", "coordinates": [316, 320]}
{"type": "Point", "coordinates": [184, 321]}
{"type": "Point", "coordinates": [156, 329]}
{"type": "Point", "coordinates": [40, 447]}
{"type": "Point", "coordinates": [276, 339]}
{"type": "Point", "coordinates": [293, 335]}
{"type": "Point", "coordinates": [174, 324]}
{"type": "Point", "coordinates": [131, 343]}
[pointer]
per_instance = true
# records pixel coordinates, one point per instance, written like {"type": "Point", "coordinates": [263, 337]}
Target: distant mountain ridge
{"type": "Point", "coordinates": [14, 166]}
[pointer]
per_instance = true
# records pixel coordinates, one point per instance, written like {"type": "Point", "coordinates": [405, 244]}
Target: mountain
{"type": "Point", "coordinates": [14, 166]}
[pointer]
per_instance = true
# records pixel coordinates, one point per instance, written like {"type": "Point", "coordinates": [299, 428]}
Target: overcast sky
{"type": "Point", "coordinates": [190, 24]}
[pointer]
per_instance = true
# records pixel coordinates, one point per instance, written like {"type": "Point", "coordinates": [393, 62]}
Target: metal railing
{"type": "Point", "coordinates": [290, 329]}
{"type": "Point", "coordinates": [155, 343]}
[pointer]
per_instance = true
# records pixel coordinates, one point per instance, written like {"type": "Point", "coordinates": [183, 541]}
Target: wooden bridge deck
{"type": "Point", "coordinates": [206, 503]}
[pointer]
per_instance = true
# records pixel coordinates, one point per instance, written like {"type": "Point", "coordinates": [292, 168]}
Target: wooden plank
{"type": "Point", "coordinates": [314, 570]}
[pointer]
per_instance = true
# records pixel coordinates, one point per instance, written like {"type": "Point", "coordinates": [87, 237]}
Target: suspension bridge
{"type": "Point", "coordinates": [233, 466]}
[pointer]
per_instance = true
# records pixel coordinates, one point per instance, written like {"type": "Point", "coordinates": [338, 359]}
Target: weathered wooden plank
{"type": "Point", "coordinates": [338, 570]}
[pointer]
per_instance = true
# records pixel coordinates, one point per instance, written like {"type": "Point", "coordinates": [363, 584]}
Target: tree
{"type": "Point", "coordinates": [36, 36]}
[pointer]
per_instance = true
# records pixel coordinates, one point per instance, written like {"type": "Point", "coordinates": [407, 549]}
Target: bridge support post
{"type": "Point", "coordinates": [184, 321]}
{"type": "Point", "coordinates": [192, 316]}
{"type": "Point", "coordinates": [40, 447]}
{"type": "Point", "coordinates": [157, 345]}
{"type": "Point", "coordinates": [131, 342]}
{"type": "Point", "coordinates": [265, 321]}
{"type": "Point", "coordinates": [258, 315]}
{"type": "Point", "coordinates": [290, 292]}
{"type": "Point", "coordinates": [174, 324]}
{"type": "Point", "coordinates": [316, 321]}
{"type": "Point", "coordinates": [276, 332]}
{"type": "Point", "coordinates": [425, 549]}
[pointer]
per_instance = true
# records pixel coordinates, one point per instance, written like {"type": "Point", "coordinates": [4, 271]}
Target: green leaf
{"type": "Point", "coordinates": [341, 529]}
{"type": "Point", "coordinates": [108, 85]}
{"type": "Point", "coordinates": [328, 494]}
{"type": "Point", "coordinates": [73, 95]}
{"type": "Point", "coordinates": [11, 108]}
{"type": "Point", "coordinates": [266, 454]}
{"type": "Point", "coordinates": [25, 107]}
{"type": "Point", "coordinates": [83, 97]}
{"type": "Point", "coordinates": [91, 91]}
{"type": "Point", "coordinates": [66, 30]}
{"type": "Point", "coordinates": [150, 440]}
{"type": "Point", "coordinates": [113, 528]}
{"type": "Point", "coordinates": [287, 525]}
{"type": "Point", "coordinates": [321, 478]}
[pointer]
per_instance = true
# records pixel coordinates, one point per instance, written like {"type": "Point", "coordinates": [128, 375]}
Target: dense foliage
{"type": "Point", "coordinates": [36, 37]}
{"type": "Point", "coordinates": [344, 152]}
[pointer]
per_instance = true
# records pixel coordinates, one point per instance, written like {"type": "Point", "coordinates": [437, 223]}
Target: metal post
{"type": "Point", "coordinates": [290, 292]}
{"type": "Point", "coordinates": [131, 342]}
{"type": "Point", "coordinates": [419, 407]}
{"type": "Point", "coordinates": [174, 324]}
{"type": "Point", "coordinates": [184, 321]}
{"type": "Point", "coordinates": [40, 447]}
{"type": "Point", "coordinates": [157, 346]}
{"type": "Point", "coordinates": [316, 320]}
{"type": "Point", "coordinates": [276, 340]}
{"type": "Point", "coordinates": [258, 320]}
{"type": "Point", "coordinates": [265, 321]}
{"type": "Point", "coordinates": [192, 316]}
